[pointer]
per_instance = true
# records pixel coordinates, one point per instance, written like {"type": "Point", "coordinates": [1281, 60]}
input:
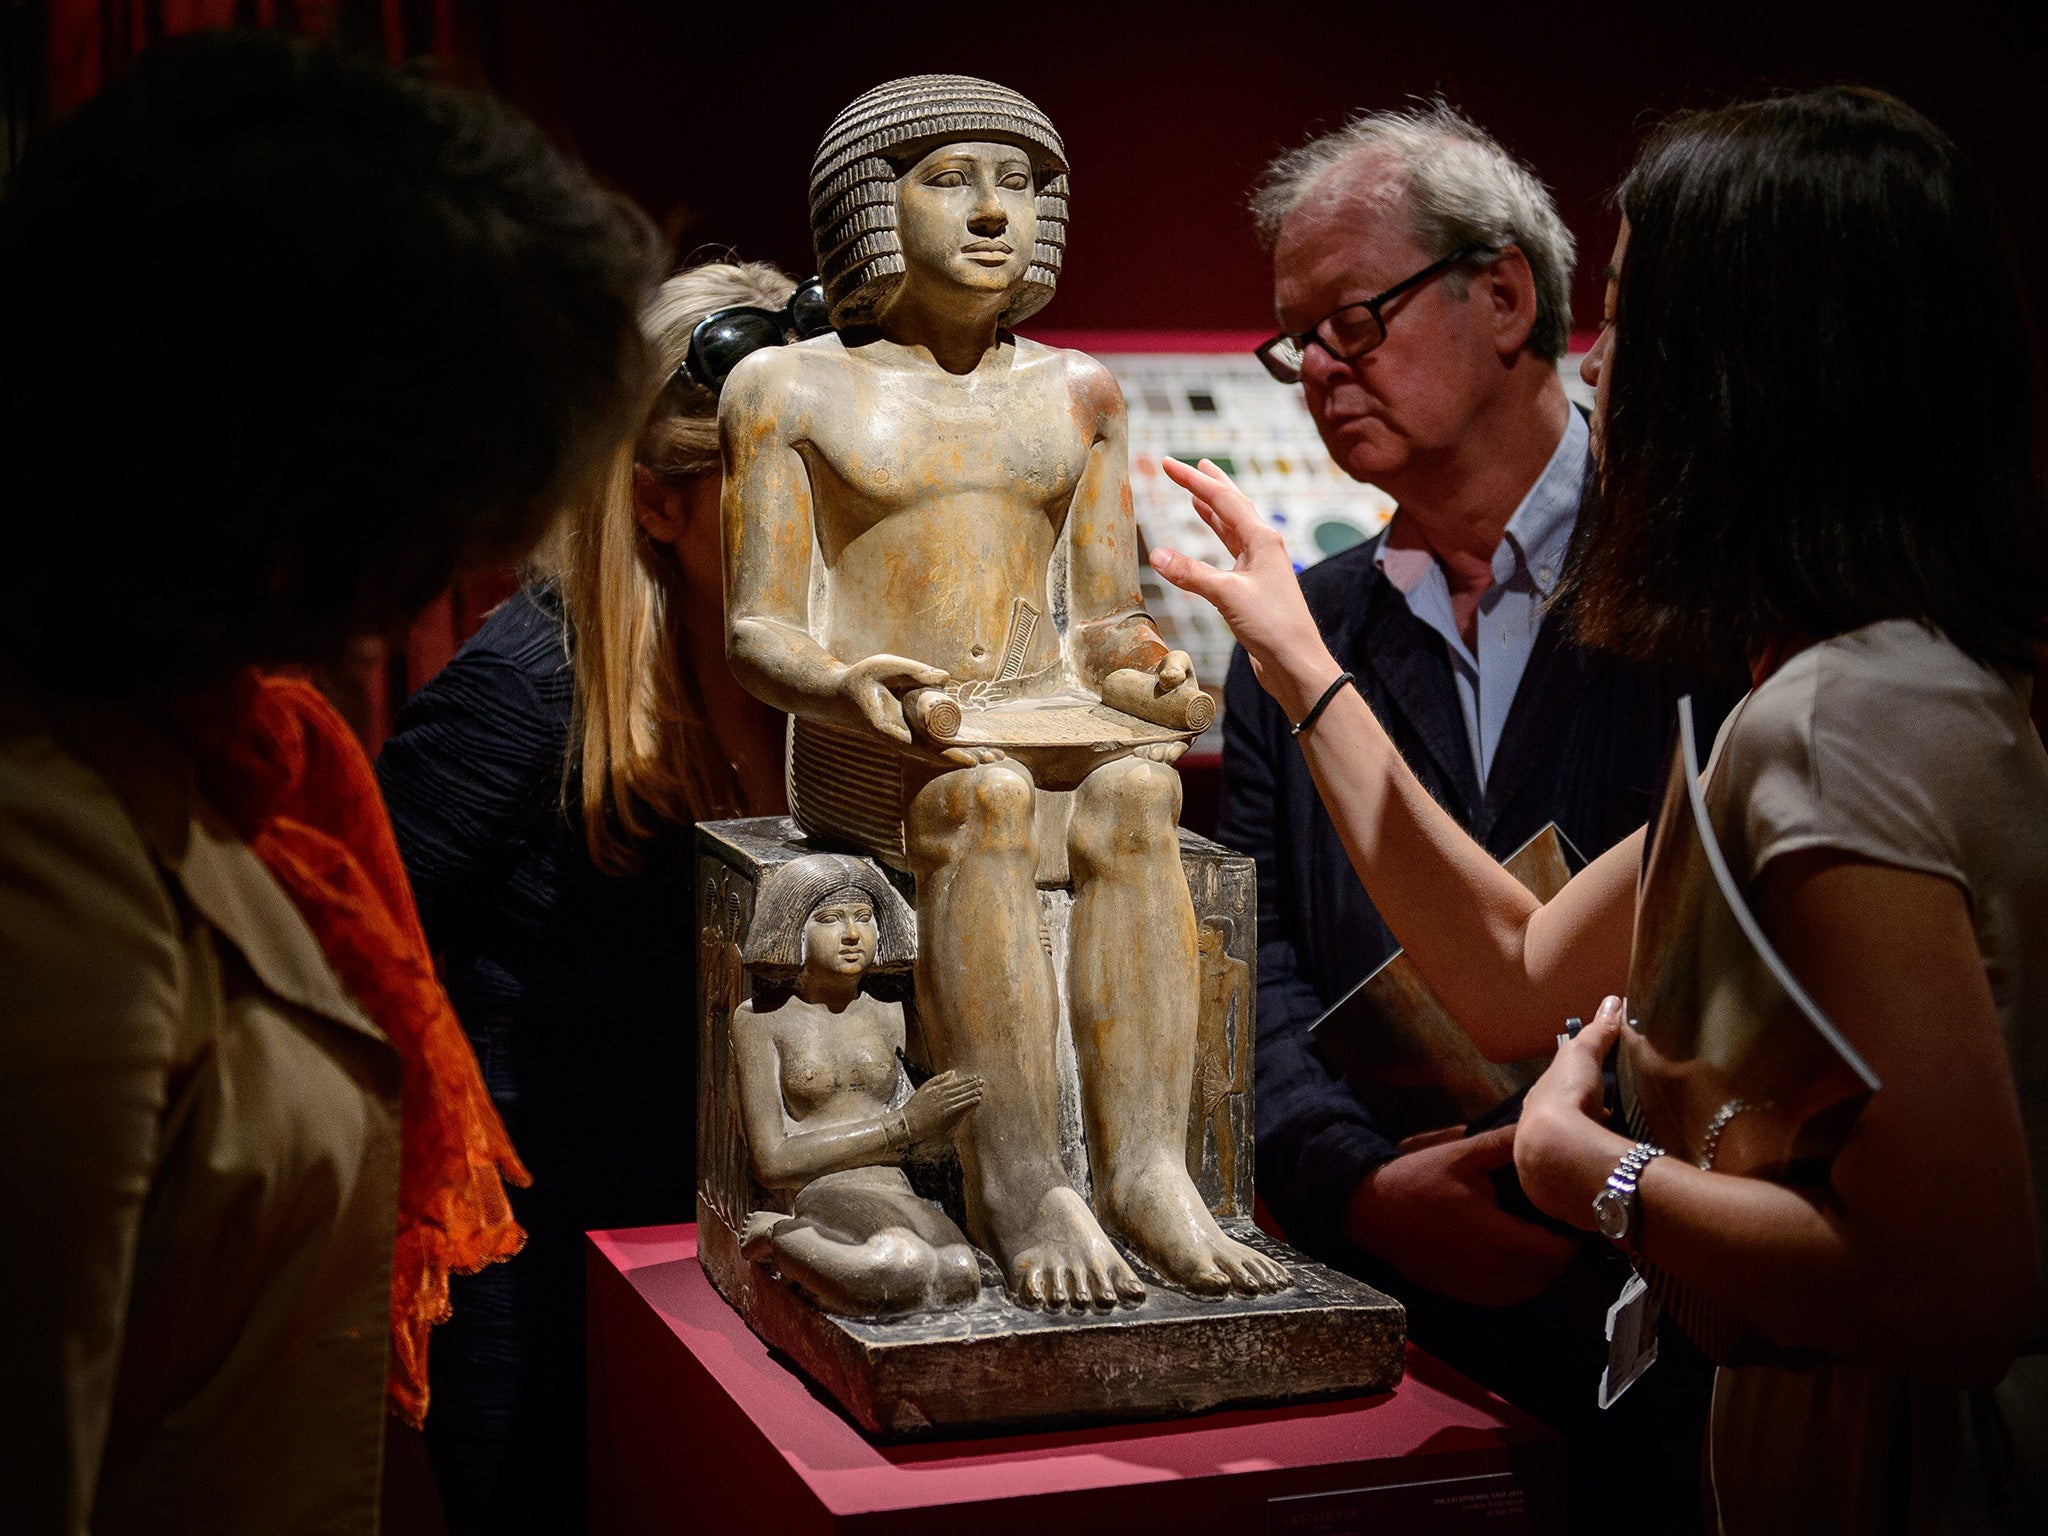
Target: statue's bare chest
{"type": "Point", "coordinates": [902, 442]}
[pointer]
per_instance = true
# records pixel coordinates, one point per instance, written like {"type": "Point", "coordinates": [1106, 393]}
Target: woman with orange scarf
{"type": "Point", "coordinates": [243, 1141]}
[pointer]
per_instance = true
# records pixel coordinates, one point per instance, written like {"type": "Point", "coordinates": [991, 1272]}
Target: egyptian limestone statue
{"type": "Point", "coordinates": [822, 1104]}
{"type": "Point", "coordinates": [898, 495]}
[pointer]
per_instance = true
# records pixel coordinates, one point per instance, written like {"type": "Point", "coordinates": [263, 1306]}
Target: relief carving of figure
{"type": "Point", "coordinates": [823, 1100]}
{"type": "Point", "coordinates": [896, 495]}
{"type": "Point", "coordinates": [1219, 1064]}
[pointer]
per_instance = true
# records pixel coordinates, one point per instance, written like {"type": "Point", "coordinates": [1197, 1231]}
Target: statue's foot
{"type": "Point", "coordinates": [1064, 1260]}
{"type": "Point", "coordinates": [1163, 1214]}
{"type": "Point", "coordinates": [757, 1233]}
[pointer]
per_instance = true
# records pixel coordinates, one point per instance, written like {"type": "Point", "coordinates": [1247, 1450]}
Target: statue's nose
{"type": "Point", "coordinates": [988, 220]}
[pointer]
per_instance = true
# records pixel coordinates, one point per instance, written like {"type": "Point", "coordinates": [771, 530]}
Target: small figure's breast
{"type": "Point", "coordinates": [809, 1082]}
{"type": "Point", "coordinates": [872, 1072]}
{"type": "Point", "coordinates": [812, 1079]}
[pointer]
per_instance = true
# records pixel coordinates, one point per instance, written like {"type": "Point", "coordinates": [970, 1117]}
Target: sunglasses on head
{"type": "Point", "coordinates": [723, 337]}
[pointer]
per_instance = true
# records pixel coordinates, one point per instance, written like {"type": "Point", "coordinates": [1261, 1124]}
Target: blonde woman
{"type": "Point", "coordinates": [542, 787]}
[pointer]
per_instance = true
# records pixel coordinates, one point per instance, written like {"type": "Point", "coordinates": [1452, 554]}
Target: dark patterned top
{"type": "Point", "coordinates": [578, 990]}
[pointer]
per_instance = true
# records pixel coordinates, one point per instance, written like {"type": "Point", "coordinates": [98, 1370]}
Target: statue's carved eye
{"type": "Point", "coordinates": [948, 179]}
{"type": "Point", "coordinates": [1017, 181]}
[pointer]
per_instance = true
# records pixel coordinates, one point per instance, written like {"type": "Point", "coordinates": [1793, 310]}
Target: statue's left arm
{"type": "Point", "coordinates": [1108, 625]}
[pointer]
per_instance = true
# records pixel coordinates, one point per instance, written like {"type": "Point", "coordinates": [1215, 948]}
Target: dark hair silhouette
{"type": "Point", "coordinates": [287, 337]}
{"type": "Point", "coordinates": [1823, 406]}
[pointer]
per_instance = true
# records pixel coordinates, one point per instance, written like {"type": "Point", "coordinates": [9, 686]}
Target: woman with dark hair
{"type": "Point", "coordinates": [1801, 284]}
{"type": "Point", "coordinates": [242, 1139]}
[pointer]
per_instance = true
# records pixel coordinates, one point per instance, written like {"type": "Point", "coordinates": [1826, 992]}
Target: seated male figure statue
{"type": "Point", "coordinates": [895, 497]}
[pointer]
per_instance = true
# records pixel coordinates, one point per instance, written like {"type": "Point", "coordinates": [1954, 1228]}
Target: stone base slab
{"type": "Point", "coordinates": [994, 1365]}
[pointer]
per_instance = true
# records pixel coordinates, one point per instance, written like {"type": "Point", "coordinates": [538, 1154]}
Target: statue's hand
{"type": "Point", "coordinates": [973, 757]}
{"type": "Point", "coordinates": [872, 685]}
{"type": "Point", "coordinates": [1176, 669]}
{"type": "Point", "coordinates": [939, 1105]}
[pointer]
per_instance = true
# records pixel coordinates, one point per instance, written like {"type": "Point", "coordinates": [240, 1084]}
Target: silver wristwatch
{"type": "Point", "coordinates": [1614, 1208]}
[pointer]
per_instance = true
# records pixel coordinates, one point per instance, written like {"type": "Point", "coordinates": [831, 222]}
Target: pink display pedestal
{"type": "Point", "coordinates": [695, 1426]}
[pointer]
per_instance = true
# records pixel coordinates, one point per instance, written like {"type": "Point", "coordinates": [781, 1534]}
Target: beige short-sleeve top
{"type": "Point", "coordinates": [1890, 743]}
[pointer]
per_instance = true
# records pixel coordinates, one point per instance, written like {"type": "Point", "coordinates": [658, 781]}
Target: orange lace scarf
{"type": "Point", "coordinates": [275, 758]}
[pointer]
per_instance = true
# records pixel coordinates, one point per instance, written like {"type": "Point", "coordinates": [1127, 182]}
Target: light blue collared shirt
{"type": "Point", "coordinates": [1525, 571]}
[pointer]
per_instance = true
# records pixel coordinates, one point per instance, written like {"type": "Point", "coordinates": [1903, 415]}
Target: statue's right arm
{"type": "Point", "coordinates": [767, 516]}
{"type": "Point", "coordinates": [765, 513]}
{"type": "Point", "coordinates": [787, 1158]}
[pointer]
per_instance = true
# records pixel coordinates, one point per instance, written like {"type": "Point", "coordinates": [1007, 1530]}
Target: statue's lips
{"type": "Point", "coordinates": [990, 252]}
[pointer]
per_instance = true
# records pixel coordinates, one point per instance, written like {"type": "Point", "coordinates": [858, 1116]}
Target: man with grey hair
{"type": "Point", "coordinates": [1423, 280]}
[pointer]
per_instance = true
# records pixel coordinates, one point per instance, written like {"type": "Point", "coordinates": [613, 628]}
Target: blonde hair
{"type": "Point", "coordinates": [641, 751]}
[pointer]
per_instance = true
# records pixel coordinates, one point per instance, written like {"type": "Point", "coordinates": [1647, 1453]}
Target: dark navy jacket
{"type": "Point", "coordinates": [1583, 746]}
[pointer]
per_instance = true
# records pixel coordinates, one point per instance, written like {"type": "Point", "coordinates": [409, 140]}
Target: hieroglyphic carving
{"type": "Point", "coordinates": [1222, 1051]}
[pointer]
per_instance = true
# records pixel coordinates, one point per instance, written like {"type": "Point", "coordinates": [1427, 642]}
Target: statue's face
{"type": "Point", "coordinates": [967, 216]}
{"type": "Point", "coordinates": [1209, 942]}
{"type": "Point", "coordinates": [840, 936]}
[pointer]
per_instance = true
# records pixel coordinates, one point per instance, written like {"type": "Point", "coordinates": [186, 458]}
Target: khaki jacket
{"type": "Point", "coordinates": [198, 1162]}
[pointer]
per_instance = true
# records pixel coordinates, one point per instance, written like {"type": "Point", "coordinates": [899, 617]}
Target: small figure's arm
{"type": "Point", "coordinates": [787, 1157]}
{"type": "Point", "coordinates": [766, 512]}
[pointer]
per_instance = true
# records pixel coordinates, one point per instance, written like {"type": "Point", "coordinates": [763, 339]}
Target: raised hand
{"type": "Point", "coordinates": [872, 687]}
{"type": "Point", "coordinates": [940, 1104]}
{"type": "Point", "coordinates": [1259, 597]}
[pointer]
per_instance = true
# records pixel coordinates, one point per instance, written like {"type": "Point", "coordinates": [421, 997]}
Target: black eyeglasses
{"type": "Point", "coordinates": [1355, 329]}
{"type": "Point", "coordinates": [723, 337]}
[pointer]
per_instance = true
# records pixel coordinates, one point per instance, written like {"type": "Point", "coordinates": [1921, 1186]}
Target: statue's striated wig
{"type": "Point", "coordinates": [873, 142]}
{"type": "Point", "coordinates": [790, 893]}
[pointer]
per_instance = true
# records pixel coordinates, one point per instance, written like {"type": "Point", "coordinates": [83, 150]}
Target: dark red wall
{"type": "Point", "coordinates": [709, 113]}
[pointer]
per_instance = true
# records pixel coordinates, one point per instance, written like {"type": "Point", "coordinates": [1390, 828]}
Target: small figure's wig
{"type": "Point", "coordinates": [874, 141]}
{"type": "Point", "coordinates": [789, 895]}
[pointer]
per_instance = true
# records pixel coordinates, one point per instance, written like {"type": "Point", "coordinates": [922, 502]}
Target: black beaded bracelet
{"type": "Point", "coordinates": [1323, 703]}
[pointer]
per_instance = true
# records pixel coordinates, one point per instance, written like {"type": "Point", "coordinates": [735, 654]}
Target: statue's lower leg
{"type": "Point", "coordinates": [866, 1248]}
{"type": "Point", "coordinates": [1132, 990]}
{"type": "Point", "coordinates": [986, 1004]}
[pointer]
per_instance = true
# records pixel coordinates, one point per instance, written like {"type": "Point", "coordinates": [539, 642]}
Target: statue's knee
{"type": "Point", "coordinates": [958, 1277]}
{"type": "Point", "coordinates": [986, 808]}
{"type": "Point", "coordinates": [1125, 808]}
{"type": "Point", "coordinates": [901, 1265]}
